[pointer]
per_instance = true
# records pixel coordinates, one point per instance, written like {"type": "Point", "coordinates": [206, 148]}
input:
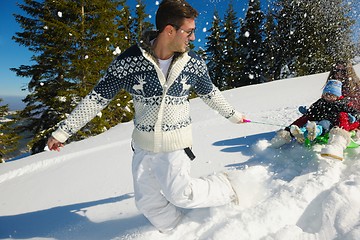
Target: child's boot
{"type": "Point", "coordinates": [313, 130]}
{"type": "Point", "coordinates": [339, 139]}
{"type": "Point", "coordinates": [282, 137]}
{"type": "Point", "coordinates": [297, 133]}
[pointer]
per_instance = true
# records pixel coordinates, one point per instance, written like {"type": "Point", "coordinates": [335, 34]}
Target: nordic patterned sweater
{"type": "Point", "coordinates": [162, 117]}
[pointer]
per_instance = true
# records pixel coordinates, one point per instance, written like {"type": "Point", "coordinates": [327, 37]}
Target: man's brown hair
{"type": "Point", "coordinates": [173, 12]}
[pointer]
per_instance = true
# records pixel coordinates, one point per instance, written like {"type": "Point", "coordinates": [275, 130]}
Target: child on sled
{"type": "Point", "coordinates": [331, 111]}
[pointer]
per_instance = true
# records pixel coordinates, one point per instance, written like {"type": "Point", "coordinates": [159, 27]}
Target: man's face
{"type": "Point", "coordinates": [184, 34]}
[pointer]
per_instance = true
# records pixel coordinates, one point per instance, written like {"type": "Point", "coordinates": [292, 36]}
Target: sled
{"type": "Point", "coordinates": [325, 138]}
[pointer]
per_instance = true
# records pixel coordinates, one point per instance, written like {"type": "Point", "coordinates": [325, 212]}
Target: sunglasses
{"type": "Point", "coordinates": [188, 32]}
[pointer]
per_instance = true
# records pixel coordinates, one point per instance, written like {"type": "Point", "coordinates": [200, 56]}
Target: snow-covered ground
{"type": "Point", "coordinates": [85, 191]}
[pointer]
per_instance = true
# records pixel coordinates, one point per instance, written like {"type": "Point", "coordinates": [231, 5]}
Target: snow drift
{"type": "Point", "coordinates": [85, 191]}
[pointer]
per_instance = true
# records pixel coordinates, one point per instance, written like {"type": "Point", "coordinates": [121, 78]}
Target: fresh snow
{"type": "Point", "coordinates": [85, 191]}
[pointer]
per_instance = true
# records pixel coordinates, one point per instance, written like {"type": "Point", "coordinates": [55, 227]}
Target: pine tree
{"type": "Point", "coordinates": [230, 46]}
{"type": "Point", "coordinates": [8, 138]}
{"type": "Point", "coordinates": [126, 23]}
{"type": "Point", "coordinates": [315, 33]}
{"type": "Point", "coordinates": [214, 53]}
{"type": "Point", "coordinates": [283, 37]}
{"type": "Point", "coordinates": [73, 43]}
{"type": "Point", "coordinates": [139, 22]}
{"type": "Point", "coordinates": [357, 50]}
{"type": "Point", "coordinates": [269, 47]}
{"type": "Point", "coordinates": [250, 45]}
{"type": "Point", "coordinates": [326, 37]}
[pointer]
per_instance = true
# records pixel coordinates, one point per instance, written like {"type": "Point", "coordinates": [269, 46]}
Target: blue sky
{"type": "Point", "coordinates": [14, 55]}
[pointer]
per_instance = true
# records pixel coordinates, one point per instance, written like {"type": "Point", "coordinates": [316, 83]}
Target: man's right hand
{"type": "Point", "coordinates": [53, 144]}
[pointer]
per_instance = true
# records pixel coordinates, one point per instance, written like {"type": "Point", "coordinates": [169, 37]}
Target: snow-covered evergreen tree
{"type": "Point", "coordinates": [313, 35]}
{"type": "Point", "coordinates": [214, 53]}
{"type": "Point", "coordinates": [269, 47]}
{"type": "Point", "coordinates": [73, 43]}
{"type": "Point", "coordinates": [8, 138]}
{"type": "Point", "coordinates": [250, 45]}
{"type": "Point", "coordinates": [230, 46]}
{"type": "Point", "coordinates": [140, 25]}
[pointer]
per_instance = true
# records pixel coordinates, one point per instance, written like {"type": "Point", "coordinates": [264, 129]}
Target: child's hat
{"type": "Point", "coordinates": [333, 87]}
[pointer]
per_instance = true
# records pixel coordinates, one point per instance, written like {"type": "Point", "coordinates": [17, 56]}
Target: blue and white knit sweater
{"type": "Point", "coordinates": [162, 117]}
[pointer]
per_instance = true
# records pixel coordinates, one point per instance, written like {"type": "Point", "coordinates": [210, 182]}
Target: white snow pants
{"type": "Point", "coordinates": [162, 186]}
